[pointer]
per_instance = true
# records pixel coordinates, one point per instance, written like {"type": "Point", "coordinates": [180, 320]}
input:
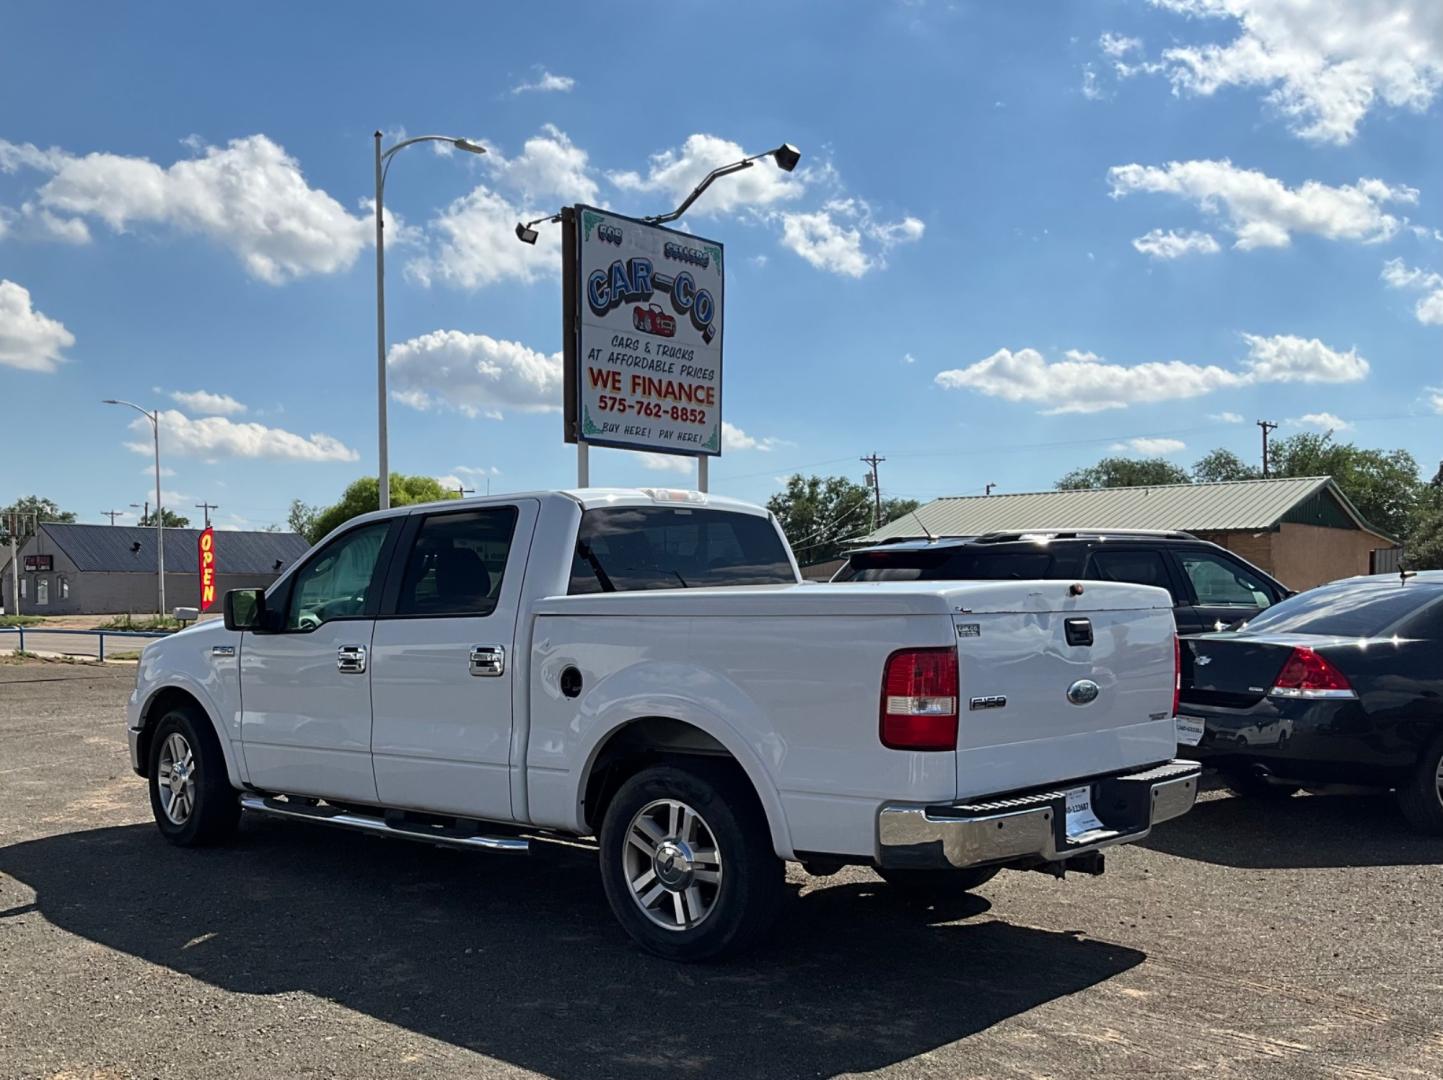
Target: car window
{"type": "Point", "coordinates": [956, 564]}
{"type": "Point", "coordinates": [1221, 582]}
{"type": "Point", "coordinates": [456, 563]}
{"type": "Point", "coordinates": [619, 549]}
{"type": "Point", "coordinates": [335, 582]}
{"type": "Point", "coordinates": [1137, 567]}
{"type": "Point", "coordinates": [1352, 608]}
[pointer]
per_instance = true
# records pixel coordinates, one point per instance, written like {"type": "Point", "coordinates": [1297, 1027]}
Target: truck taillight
{"type": "Point", "coordinates": [1176, 674]}
{"type": "Point", "coordinates": [919, 700]}
{"type": "Point", "coordinates": [1308, 675]}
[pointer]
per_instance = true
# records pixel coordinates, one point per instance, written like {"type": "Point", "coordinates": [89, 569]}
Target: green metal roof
{"type": "Point", "coordinates": [1244, 504]}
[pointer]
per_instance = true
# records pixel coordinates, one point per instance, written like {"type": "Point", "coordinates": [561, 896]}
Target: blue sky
{"type": "Point", "coordinates": [1020, 235]}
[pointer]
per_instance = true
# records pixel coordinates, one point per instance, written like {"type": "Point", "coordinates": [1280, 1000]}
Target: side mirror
{"type": "Point", "coordinates": [245, 609]}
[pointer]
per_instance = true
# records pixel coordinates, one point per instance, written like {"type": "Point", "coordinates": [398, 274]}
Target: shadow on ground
{"type": "Point", "coordinates": [518, 958]}
{"type": "Point", "coordinates": [1301, 832]}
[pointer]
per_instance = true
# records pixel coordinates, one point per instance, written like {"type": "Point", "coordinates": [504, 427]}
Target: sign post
{"type": "Point", "coordinates": [206, 562]}
{"type": "Point", "coordinates": [642, 337]}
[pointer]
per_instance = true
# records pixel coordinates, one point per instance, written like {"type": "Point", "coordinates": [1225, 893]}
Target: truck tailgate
{"type": "Point", "coordinates": [1053, 695]}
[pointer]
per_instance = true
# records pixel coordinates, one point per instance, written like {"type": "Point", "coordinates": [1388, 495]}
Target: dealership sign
{"type": "Point", "coordinates": [647, 373]}
{"type": "Point", "coordinates": [207, 568]}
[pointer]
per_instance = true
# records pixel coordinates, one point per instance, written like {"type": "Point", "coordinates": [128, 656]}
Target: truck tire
{"type": "Point", "coordinates": [1421, 799]}
{"type": "Point", "coordinates": [939, 884]}
{"type": "Point", "coordinates": [190, 794]}
{"type": "Point", "coordinates": [687, 862]}
{"type": "Point", "coordinates": [1248, 786]}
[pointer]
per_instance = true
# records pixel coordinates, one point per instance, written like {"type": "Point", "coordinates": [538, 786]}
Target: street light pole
{"type": "Point", "coordinates": [383, 164]}
{"type": "Point", "coordinates": [154, 418]}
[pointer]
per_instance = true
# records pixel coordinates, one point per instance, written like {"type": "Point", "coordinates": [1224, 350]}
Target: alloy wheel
{"type": "Point", "coordinates": [672, 864]}
{"type": "Point", "coordinates": [175, 776]}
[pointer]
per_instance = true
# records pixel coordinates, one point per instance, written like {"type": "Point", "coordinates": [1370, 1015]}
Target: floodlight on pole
{"type": "Point", "coordinates": [383, 166]}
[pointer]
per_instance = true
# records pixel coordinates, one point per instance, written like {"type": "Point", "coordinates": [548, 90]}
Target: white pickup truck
{"type": "Point", "coordinates": [646, 667]}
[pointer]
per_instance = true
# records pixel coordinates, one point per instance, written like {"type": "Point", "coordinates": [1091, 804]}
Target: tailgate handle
{"type": "Point", "coordinates": [1079, 631]}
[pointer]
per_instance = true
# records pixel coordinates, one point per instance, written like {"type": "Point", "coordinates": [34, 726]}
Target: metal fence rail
{"type": "Point", "coordinates": [100, 635]}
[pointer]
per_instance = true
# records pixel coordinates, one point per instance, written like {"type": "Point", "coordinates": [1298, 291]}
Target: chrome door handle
{"type": "Point", "coordinates": [351, 659]}
{"type": "Point", "coordinates": [488, 660]}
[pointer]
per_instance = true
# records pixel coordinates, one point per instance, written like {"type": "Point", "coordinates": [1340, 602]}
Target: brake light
{"type": "Point", "coordinates": [919, 700]}
{"type": "Point", "coordinates": [1176, 674]}
{"type": "Point", "coordinates": [1308, 675]}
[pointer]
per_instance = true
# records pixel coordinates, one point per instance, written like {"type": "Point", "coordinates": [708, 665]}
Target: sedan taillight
{"type": "Point", "coordinates": [919, 700]}
{"type": "Point", "coordinates": [1308, 675]}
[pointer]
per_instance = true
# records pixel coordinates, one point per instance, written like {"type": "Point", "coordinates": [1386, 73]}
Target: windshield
{"type": "Point", "coordinates": [1346, 609]}
{"type": "Point", "coordinates": [623, 549]}
{"type": "Point", "coordinates": [946, 564]}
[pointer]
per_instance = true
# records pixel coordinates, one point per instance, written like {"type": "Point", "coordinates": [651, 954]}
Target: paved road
{"type": "Point", "coordinates": [1241, 942]}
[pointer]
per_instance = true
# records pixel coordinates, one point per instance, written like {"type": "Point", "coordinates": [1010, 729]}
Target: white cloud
{"type": "Point", "coordinates": [215, 437]}
{"type": "Point", "coordinates": [666, 462]}
{"type": "Point", "coordinates": [249, 197]}
{"type": "Point", "coordinates": [1429, 308]}
{"type": "Point", "coordinates": [207, 404]}
{"type": "Point", "coordinates": [675, 172]}
{"type": "Point", "coordinates": [1327, 63]}
{"type": "Point", "coordinates": [149, 470]}
{"type": "Point", "coordinates": [1083, 383]}
{"type": "Point", "coordinates": [478, 244]}
{"type": "Point", "coordinates": [844, 238]}
{"type": "Point", "coordinates": [734, 438]}
{"type": "Point", "coordinates": [450, 482]}
{"type": "Point", "coordinates": [1226, 417]}
{"type": "Point", "coordinates": [1320, 421]}
{"type": "Point", "coordinates": [475, 470]}
{"type": "Point", "coordinates": [474, 374]}
{"type": "Point", "coordinates": [1264, 212]}
{"type": "Point", "coordinates": [546, 83]}
{"type": "Point", "coordinates": [908, 358]}
{"type": "Point", "coordinates": [1153, 447]}
{"type": "Point", "coordinates": [550, 165]}
{"type": "Point", "coordinates": [1117, 45]}
{"type": "Point", "coordinates": [1091, 89]}
{"type": "Point", "coordinates": [1435, 399]}
{"type": "Point", "coordinates": [29, 339]}
{"type": "Point", "coordinates": [1173, 244]}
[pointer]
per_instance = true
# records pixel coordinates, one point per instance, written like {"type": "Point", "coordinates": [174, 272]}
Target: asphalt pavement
{"type": "Point", "coordinates": [1244, 940]}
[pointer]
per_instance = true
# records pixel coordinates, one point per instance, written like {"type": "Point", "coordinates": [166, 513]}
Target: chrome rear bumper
{"type": "Point", "coordinates": [1031, 826]}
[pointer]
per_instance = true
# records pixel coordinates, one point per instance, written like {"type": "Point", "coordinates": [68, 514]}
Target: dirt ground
{"type": "Point", "coordinates": [1242, 941]}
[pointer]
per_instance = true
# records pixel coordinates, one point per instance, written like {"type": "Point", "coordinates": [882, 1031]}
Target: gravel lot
{"type": "Point", "coordinates": [1242, 941]}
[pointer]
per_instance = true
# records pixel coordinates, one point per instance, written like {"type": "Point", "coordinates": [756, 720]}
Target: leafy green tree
{"type": "Point", "coordinates": [1383, 484]}
{"type": "Point", "coordinates": [168, 519]}
{"type": "Point", "coordinates": [819, 514]}
{"type": "Point", "coordinates": [363, 496]}
{"type": "Point", "coordinates": [1113, 472]}
{"type": "Point", "coordinates": [31, 508]}
{"type": "Point", "coordinates": [1220, 466]}
{"type": "Point", "coordinates": [302, 519]}
{"type": "Point", "coordinates": [1425, 542]}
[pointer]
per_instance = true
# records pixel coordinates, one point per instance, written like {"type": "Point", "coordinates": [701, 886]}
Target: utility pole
{"type": "Point", "coordinates": [1267, 426]}
{"type": "Point", "coordinates": [15, 561]}
{"type": "Point", "coordinates": [112, 514]}
{"type": "Point", "coordinates": [207, 507]}
{"type": "Point", "coordinates": [462, 491]}
{"type": "Point", "coordinates": [873, 460]}
{"type": "Point", "coordinates": [990, 487]}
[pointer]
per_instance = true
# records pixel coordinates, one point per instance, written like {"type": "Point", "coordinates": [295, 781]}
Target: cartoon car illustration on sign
{"type": "Point", "coordinates": [652, 320]}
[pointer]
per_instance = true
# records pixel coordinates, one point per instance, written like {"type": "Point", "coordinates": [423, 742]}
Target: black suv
{"type": "Point", "coordinates": [1210, 586]}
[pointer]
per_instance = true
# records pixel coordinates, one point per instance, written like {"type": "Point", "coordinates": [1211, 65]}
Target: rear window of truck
{"type": "Point", "coordinates": [631, 548]}
{"type": "Point", "coordinates": [947, 565]}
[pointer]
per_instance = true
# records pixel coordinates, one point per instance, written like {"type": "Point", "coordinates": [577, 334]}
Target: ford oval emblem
{"type": "Point", "coordinates": [1083, 692]}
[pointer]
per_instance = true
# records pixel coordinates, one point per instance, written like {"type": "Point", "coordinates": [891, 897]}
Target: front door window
{"type": "Point", "coordinates": [336, 583]}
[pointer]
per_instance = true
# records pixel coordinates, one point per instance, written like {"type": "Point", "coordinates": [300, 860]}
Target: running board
{"type": "Point", "coordinates": [323, 815]}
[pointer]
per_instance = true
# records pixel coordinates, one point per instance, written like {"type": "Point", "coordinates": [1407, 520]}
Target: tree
{"type": "Point", "coordinates": [31, 509]}
{"type": "Point", "coordinates": [363, 496]}
{"type": "Point", "coordinates": [819, 514]}
{"type": "Point", "coordinates": [1220, 466]}
{"type": "Point", "coordinates": [1124, 472]}
{"type": "Point", "coordinates": [1383, 484]}
{"type": "Point", "coordinates": [302, 519]}
{"type": "Point", "coordinates": [1425, 542]}
{"type": "Point", "coordinates": [168, 519]}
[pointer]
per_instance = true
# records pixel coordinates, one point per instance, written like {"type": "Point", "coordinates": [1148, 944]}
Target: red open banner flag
{"type": "Point", "coordinates": [207, 568]}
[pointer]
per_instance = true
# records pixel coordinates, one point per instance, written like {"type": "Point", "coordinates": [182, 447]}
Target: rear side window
{"type": "Point", "coordinates": [954, 565]}
{"type": "Point", "coordinates": [1347, 609]}
{"type": "Point", "coordinates": [624, 549]}
{"type": "Point", "coordinates": [1137, 567]}
{"type": "Point", "coordinates": [456, 563]}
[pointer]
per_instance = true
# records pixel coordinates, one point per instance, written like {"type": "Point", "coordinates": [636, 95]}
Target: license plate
{"type": "Point", "coordinates": [1080, 818]}
{"type": "Point", "coordinates": [1190, 730]}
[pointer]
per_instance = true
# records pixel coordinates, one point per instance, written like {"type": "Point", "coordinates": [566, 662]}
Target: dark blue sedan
{"type": "Point", "coordinates": [1338, 686]}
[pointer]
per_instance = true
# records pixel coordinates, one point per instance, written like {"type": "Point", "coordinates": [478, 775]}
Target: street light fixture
{"type": "Point", "coordinates": [383, 166]}
{"type": "Point", "coordinates": [154, 418]}
{"type": "Point", "coordinates": [786, 156]}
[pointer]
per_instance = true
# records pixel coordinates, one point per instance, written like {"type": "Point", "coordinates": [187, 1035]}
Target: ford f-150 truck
{"type": "Point", "coordinates": [646, 667]}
